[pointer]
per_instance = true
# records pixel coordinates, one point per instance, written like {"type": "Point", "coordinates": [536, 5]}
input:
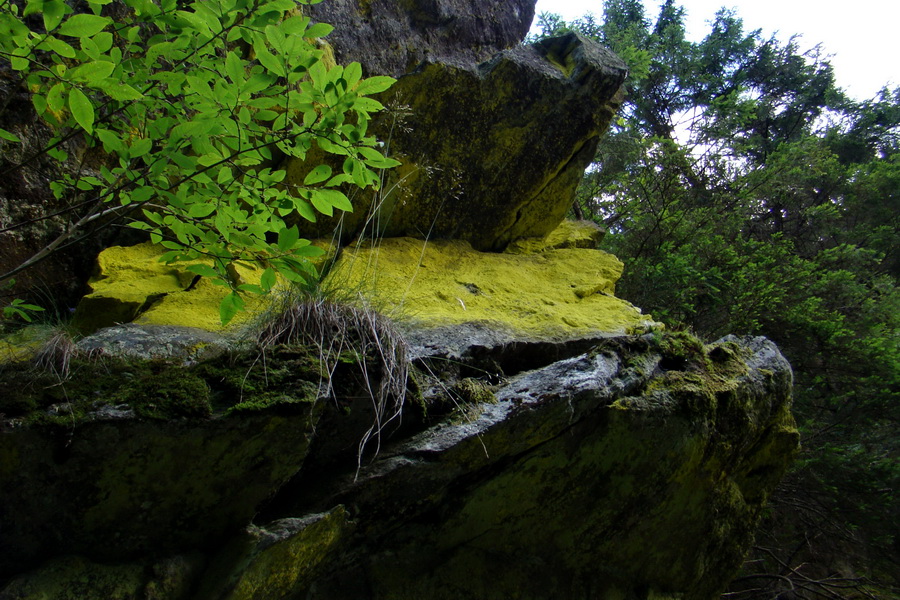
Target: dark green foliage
{"type": "Point", "coordinates": [747, 194]}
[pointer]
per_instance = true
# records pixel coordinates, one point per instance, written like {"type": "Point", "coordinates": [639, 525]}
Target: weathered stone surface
{"type": "Point", "coordinates": [389, 37]}
{"type": "Point", "coordinates": [187, 345]}
{"type": "Point", "coordinates": [635, 470]}
{"type": "Point", "coordinates": [280, 560]}
{"type": "Point", "coordinates": [491, 153]}
{"type": "Point", "coordinates": [638, 468]}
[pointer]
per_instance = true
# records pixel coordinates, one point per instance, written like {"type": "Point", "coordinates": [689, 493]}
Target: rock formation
{"type": "Point", "coordinates": [532, 115]}
{"type": "Point", "coordinates": [513, 430]}
{"type": "Point", "coordinates": [639, 466]}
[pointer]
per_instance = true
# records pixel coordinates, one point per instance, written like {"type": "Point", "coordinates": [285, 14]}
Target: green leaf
{"type": "Point", "coordinates": [267, 281]}
{"type": "Point", "coordinates": [234, 67]}
{"type": "Point", "coordinates": [318, 73]}
{"type": "Point", "coordinates": [9, 136]}
{"type": "Point", "coordinates": [373, 85]}
{"type": "Point", "coordinates": [203, 270]}
{"type": "Point", "coordinates": [201, 210]}
{"type": "Point", "coordinates": [92, 72]}
{"type": "Point", "coordinates": [306, 211]}
{"type": "Point", "coordinates": [83, 25]}
{"type": "Point", "coordinates": [367, 104]}
{"type": "Point", "coordinates": [53, 13]}
{"type": "Point", "coordinates": [352, 74]}
{"type": "Point", "coordinates": [317, 175]}
{"type": "Point", "coordinates": [321, 203]}
{"type": "Point", "coordinates": [82, 109]}
{"type": "Point", "coordinates": [19, 63]}
{"type": "Point", "coordinates": [309, 251]}
{"type": "Point", "coordinates": [229, 307]}
{"type": "Point", "coordinates": [275, 37]}
{"type": "Point", "coordinates": [119, 91]}
{"type": "Point", "coordinates": [60, 47]}
{"type": "Point", "coordinates": [287, 238]}
{"type": "Point", "coordinates": [318, 30]}
{"type": "Point", "coordinates": [277, 6]}
{"type": "Point", "coordinates": [111, 140]}
{"type": "Point", "coordinates": [295, 25]}
{"type": "Point", "coordinates": [104, 41]}
{"type": "Point", "coordinates": [334, 198]}
{"type": "Point", "coordinates": [141, 147]}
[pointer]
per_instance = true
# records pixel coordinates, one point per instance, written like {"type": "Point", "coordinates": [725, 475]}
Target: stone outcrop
{"type": "Point", "coordinates": [554, 441]}
{"type": "Point", "coordinates": [491, 152]}
{"type": "Point", "coordinates": [133, 459]}
{"type": "Point", "coordinates": [637, 468]}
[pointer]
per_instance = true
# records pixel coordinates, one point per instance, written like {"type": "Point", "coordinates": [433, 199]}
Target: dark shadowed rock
{"type": "Point", "coordinates": [637, 469]}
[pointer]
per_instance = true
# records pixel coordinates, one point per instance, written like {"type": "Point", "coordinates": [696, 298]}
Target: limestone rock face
{"type": "Point", "coordinates": [492, 152]}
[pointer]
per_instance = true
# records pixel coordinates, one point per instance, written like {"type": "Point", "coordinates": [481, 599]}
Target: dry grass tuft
{"type": "Point", "coordinates": [337, 329]}
{"type": "Point", "coordinates": [56, 354]}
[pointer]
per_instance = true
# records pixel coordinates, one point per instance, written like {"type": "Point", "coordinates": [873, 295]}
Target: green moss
{"type": "Point", "coordinates": [473, 391]}
{"type": "Point", "coordinates": [74, 578]}
{"type": "Point", "coordinates": [173, 393]}
{"type": "Point", "coordinates": [160, 390]}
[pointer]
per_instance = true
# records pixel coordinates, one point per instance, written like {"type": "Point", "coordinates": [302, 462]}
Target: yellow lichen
{"type": "Point", "coordinates": [547, 288]}
{"type": "Point", "coordinates": [133, 285]}
{"type": "Point", "coordinates": [563, 292]}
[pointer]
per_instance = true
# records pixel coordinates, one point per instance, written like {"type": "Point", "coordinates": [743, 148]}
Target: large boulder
{"type": "Point", "coordinates": [637, 469]}
{"type": "Point", "coordinates": [492, 152]}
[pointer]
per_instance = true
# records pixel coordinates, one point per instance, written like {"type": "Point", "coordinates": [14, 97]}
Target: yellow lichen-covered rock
{"type": "Point", "coordinates": [569, 234]}
{"type": "Point", "coordinates": [132, 285]}
{"type": "Point", "coordinates": [565, 292]}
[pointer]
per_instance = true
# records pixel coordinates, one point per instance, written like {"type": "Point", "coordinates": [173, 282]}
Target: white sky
{"type": "Point", "coordinates": [861, 36]}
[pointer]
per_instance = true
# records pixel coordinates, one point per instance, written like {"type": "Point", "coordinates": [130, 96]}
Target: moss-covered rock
{"type": "Point", "coordinates": [492, 152]}
{"type": "Point", "coordinates": [130, 284]}
{"type": "Point", "coordinates": [130, 458]}
{"type": "Point", "coordinates": [279, 560]}
{"type": "Point", "coordinates": [76, 578]}
{"type": "Point", "coordinates": [619, 473]}
{"type": "Point", "coordinates": [564, 292]}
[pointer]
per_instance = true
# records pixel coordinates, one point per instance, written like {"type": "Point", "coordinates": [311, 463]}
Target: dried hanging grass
{"type": "Point", "coordinates": [56, 354]}
{"type": "Point", "coordinates": [335, 328]}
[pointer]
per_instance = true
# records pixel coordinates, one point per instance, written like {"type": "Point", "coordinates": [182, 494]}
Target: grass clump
{"type": "Point", "coordinates": [344, 333]}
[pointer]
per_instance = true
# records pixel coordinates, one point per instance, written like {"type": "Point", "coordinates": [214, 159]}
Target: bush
{"type": "Point", "coordinates": [193, 104]}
